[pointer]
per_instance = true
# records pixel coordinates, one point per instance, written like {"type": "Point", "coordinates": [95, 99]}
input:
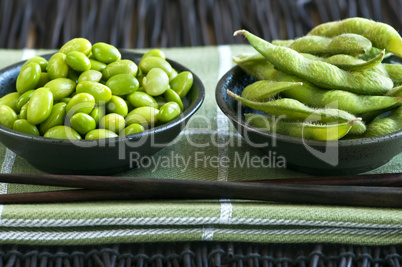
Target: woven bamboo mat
{"type": "Point", "coordinates": [203, 254]}
{"type": "Point", "coordinates": [174, 23]}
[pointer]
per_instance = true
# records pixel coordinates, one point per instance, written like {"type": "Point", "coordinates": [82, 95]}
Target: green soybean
{"type": "Point", "coordinates": [112, 122]}
{"type": "Point", "coordinates": [56, 117]}
{"type": "Point", "coordinates": [7, 116]}
{"type": "Point", "coordinates": [97, 114]}
{"type": "Point", "coordinates": [23, 112]}
{"type": "Point", "coordinates": [97, 65]}
{"type": "Point", "coordinates": [36, 59]}
{"type": "Point", "coordinates": [80, 103]}
{"type": "Point", "coordinates": [149, 63]}
{"type": "Point", "coordinates": [117, 105]}
{"type": "Point", "coordinates": [39, 106]}
{"type": "Point", "coordinates": [314, 96]}
{"type": "Point", "coordinates": [57, 66]}
{"type": "Point", "coordinates": [22, 99]}
{"type": "Point", "coordinates": [100, 134]}
{"type": "Point", "coordinates": [146, 116]}
{"type": "Point", "coordinates": [122, 84]}
{"type": "Point", "coordinates": [28, 78]}
{"type": "Point", "coordinates": [171, 96]}
{"type": "Point", "coordinates": [169, 111]}
{"type": "Point", "coordinates": [154, 53]}
{"type": "Point", "coordinates": [264, 90]}
{"type": "Point", "coordinates": [78, 61]}
{"type": "Point", "coordinates": [90, 75]}
{"type": "Point", "coordinates": [11, 100]}
{"type": "Point", "coordinates": [61, 88]}
{"type": "Point", "coordinates": [124, 66]}
{"type": "Point", "coordinates": [381, 35]}
{"type": "Point", "coordinates": [305, 130]}
{"type": "Point", "coordinates": [182, 83]}
{"type": "Point", "coordinates": [62, 132]}
{"type": "Point", "coordinates": [44, 79]}
{"type": "Point", "coordinates": [77, 44]}
{"type": "Point", "coordinates": [156, 82]}
{"type": "Point", "coordinates": [23, 126]}
{"type": "Point", "coordinates": [105, 53]}
{"type": "Point", "coordinates": [141, 99]}
{"type": "Point", "coordinates": [291, 109]}
{"type": "Point", "coordinates": [132, 129]}
{"type": "Point", "coordinates": [320, 73]}
{"type": "Point", "coordinates": [100, 92]}
{"type": "Point", "coordinates": [82, 123]}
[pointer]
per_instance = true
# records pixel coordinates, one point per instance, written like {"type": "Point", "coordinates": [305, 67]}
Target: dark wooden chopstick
{"type": "Point", "coordinates": [100, 188]}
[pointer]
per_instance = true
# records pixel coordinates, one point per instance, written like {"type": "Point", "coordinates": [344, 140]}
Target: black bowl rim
{"type": "Point", "coordinates": [220, 99]}
{"type": "Point", "coordinates": [181, 119]}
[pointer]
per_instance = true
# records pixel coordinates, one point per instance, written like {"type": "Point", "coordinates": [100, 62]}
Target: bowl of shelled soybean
{"type": "Point", "coordinates": [328, 103]}
{"type": "Point", "coordinates": [88, 107]}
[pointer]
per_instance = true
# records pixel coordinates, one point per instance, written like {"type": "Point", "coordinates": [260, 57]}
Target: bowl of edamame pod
{"type": "Point", "coordinates": [94, 109]}
{"type": "Point", "coordinates": [328, 103]}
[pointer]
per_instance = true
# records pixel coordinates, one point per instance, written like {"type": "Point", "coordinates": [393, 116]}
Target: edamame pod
{"type": "Point", "coordinates": [293, 110]}
{"type": "Point", "coordinates": [314, 96]}
{"type": "Point", "coordinates": [57, 66]}
{"type": "Point", "coordinates": [304, 130]}
{"type": "Point", "coordinates": [62, 132]}
{"type": "Point", "coordinates": [350, 63]}
{"type": "Point", "coordinates": [264, 90]}
{"type": "Point", "coordinates": [39, 106]}
{"type": "Point", "coordinates": [61, 88]}
{"type": "Point", "coordinates": [23, 126]}
{"type": "Point", "coordinates": [386, 125]}
{"type": "Point", "coordinates": [347, 43]}
{"type": "Point", "coordinates": [320, 73]}
{"type": "Point", "coordinates": [7, 116]}
{"type": "Point", "coordinates": [381, 35]}
{"type": "Point", "coordinates": [256, 65]}
{"type": "Point", "coordinates": [77, 44]}
{"type": "Point", "coordinates": [28, 78]}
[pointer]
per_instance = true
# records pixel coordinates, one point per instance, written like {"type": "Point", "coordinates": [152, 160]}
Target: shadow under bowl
{"type": "Point", "coordinates": [103, 156]}
{"type": "Point", "coordinates": [341, 157]}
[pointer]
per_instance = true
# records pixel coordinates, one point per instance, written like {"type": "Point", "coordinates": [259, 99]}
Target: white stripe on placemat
{"type": "Point", "coordinates": [9, 157]}
{"type": "Point", "coordinates": [225, 63]}
{"type": "Point", "coordinates": [130, 232]}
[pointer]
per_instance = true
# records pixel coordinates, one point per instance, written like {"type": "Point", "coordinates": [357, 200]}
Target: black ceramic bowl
{"type": "Point", "coordinates": [308, 156]}
{"type": "Point", "coordinates": [105, 156]}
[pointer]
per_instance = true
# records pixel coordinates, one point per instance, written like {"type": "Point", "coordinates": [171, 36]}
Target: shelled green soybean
{"type": "Point", "coordinates": [87, 91]}
{"type": "Point", "coordinates": [332, 79]}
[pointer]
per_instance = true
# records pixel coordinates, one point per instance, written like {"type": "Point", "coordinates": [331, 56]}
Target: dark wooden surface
{"type": "Point", "coordinates": [175, 23]}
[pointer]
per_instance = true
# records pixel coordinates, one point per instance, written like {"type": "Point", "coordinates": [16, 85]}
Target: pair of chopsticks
{"type": "Point", "coordinates": [374, 190]}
